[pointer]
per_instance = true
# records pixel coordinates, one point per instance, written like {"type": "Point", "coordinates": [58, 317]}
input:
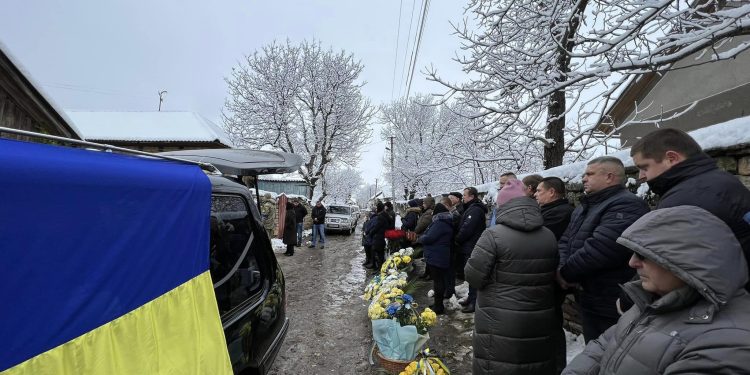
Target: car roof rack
{"type": "Point", "coordinates": [105, 147]}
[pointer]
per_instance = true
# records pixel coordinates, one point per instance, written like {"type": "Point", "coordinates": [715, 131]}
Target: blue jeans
{"type": "Point", "coordinates": [299, 233]}
{"type": "Point", "coordinates": [319, 229]}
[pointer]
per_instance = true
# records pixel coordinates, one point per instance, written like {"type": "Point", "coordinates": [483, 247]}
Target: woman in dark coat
{"type": "Point", "coordinates": [437, 240]}
{"type": "Point", "coordinates": [513, 269]}
{"type": "Point", "coordinates": [290, 230]}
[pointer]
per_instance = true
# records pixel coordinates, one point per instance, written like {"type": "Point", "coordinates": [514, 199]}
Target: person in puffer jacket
{"type": "Point", "coordinates": [437, 240]}
{"type": "Point", "coordinates": [690, 312]}
{"type": "Point", "coordinates": [513, 268]}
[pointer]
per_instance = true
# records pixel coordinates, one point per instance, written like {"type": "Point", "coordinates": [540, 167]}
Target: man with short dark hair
{"type": "Point", "coordinates": [556, 210]}
{"type": "Point", "coordinates": [318, 229]}
{"type": "Point", "coordinates": [530, 183]}
{"type": "Point", "coordinates": [472, 226]}
{"type": "Point", "coordinates": [676, 168]}
{"type": "Point", "coordinates": [589, 255]}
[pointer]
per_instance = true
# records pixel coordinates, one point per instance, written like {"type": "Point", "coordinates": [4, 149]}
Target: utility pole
{"type": "Point", "coordinates": [393, 173]}
{"type": "Point", "coordinates": [161, 98]}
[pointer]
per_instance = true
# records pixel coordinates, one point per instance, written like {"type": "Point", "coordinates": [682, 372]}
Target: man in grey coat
{"type": "Point", "coordinates": [691, 309]}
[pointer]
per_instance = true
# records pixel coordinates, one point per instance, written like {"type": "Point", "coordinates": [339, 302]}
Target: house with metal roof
{"type": "Point", "coordinates": [287, 183]}
{"type": "Point", "coordinates": [150, 131]}
{"type": "Point", "coordinates": [24, 106]}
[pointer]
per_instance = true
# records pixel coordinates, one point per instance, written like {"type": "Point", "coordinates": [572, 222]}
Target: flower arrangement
{"type": "Point", "coordinates": [426, 365]}
{"type": "Point", "coordinates": [399, 260]}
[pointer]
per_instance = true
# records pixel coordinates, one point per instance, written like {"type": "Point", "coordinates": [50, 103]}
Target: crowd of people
{"type": "Point", "coordinates": [659, 291]}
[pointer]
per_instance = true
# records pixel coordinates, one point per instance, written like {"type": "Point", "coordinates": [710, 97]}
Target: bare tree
{"type": "Point", "coordinates": [300, 99]}
{"type": "Point", "coordinates": [534, 61]}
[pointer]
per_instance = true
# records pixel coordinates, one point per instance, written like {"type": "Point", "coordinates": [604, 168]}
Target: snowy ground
{"type": "Point", "coordinates": [329, 330]}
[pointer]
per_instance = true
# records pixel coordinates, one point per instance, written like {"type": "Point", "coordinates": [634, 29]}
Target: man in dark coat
{"type": "Point", "coordinates": [436, 241]}
{"type": "Point", "coordinates": [299, 215]}
{"type": "Point", "coordinates": [677, 169]}
{"type": "Point", "coordinates": [409, 222]}
{"type": "Point", "coordinates": [377, 235]}
{"type": "Point", "coordinates": [691, 310]}
{"type": "Point", "coordinates": [290, 226]}
{"type": "Point", "coordinates": [369, 262]}
{"type": "Point", "coordinates": [513, 267]}
{"type": "Point", "coordinates": [589, 255]}
{"type": "Point", "coordinates": [556, 210]}
{"type": "Point", "coordinates": [472, 226]}
{"type": "Point", "coordinates": [319, 225]}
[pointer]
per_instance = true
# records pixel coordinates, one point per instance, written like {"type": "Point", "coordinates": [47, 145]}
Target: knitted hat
{"type": "Point", "coordinates": [456, 194]}
{"type": "Point", "coordinates": [512, 189]}
{"type": "Point", "coordinates": [413, 203]}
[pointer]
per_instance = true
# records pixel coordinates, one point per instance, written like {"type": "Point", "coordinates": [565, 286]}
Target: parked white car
{"type": "Point", "coordinates": [339, 217]}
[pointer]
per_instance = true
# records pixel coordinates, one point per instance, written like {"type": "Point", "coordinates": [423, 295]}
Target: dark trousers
{"type": "Point", "coordinates": [558, 337]}
{"type": "Point", "coordinates": [378, 255]}
{"type": "Point", "coordinates": [594, 325]}
{"type": "Point", "coordinates": [290, 249]}
{"type": "Point", "coordinates": [439, 283]}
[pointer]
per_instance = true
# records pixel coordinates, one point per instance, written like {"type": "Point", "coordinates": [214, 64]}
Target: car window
{"type": "Point", "coordinates": [234, 266]}
{"type": "Point", "coordinates": [338, 210]}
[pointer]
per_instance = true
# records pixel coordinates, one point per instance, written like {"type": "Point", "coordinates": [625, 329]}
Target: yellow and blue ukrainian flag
{"type": "Point", "coordinates": [104, 265]}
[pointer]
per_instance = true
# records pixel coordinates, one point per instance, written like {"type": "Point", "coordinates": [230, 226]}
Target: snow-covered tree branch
{"type": "Point", "coordinates": [535, 63]}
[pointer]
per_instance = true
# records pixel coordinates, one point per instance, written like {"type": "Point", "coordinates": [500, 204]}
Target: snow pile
{"type": "Point", "coordinates": [574, 345]}
{"type": "Point", "coordinates": [278, 244]}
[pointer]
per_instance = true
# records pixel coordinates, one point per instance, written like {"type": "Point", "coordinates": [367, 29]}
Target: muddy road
{"type": "Point", "coordinates": [329, 330]}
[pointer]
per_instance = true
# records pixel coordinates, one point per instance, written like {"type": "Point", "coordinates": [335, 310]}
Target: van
{"type": "Point", "coordinates": [125, 263]}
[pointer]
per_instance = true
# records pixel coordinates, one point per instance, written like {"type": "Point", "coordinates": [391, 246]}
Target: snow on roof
{"type": "Point", "coordinates": [147, 127]}
{"type": "Point", "coordinates": [285, 177]}
{"type": "Point", "coordinates": [726, 134]}
{"type": "Point", "coordinates": [4, 49]}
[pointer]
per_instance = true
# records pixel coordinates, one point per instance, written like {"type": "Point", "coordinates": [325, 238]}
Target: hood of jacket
{"type": "Point", "coordinates": [695, 246]}
{"type": "Point", "coordinates": [521, 213]}
{"type": "Point", "coordinates": [691, 167]}
{"type": "Point", "coordinates": [416, 210]}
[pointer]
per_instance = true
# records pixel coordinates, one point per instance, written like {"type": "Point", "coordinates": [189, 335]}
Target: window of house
{"type": "Point", "coordinates": [234, 266]}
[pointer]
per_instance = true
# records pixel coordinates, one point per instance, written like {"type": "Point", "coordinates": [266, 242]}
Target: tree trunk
{"type": "Point", "coordinates": [554, 151]}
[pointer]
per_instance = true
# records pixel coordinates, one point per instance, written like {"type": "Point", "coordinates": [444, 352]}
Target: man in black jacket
{"type": "Point", "coordinates": [589, 255]}
{"type": "Point", "coordinates": [377, 235]}
{"type": "Point", "coordinates": [677, 169]}
{"type": "Point", "coordinates": [472, 225]}
{"type": "Point", "coordinates": [556, 210]}
{"type": "Point", "coordinates": [319, 225]}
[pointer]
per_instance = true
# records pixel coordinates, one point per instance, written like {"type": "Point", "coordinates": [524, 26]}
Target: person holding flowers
{"type": "Point", "coordinates": [436, 241]}
{"type": "Point", "coordinates": [513, 268]}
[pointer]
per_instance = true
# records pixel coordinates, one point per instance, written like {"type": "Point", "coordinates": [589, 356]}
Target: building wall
{"type": "Point", "coordinates": [13, 115]}
{"type": "Point", "coordinates": [287, 187]}
{"type": "Point", "coordinates": [722, 89]}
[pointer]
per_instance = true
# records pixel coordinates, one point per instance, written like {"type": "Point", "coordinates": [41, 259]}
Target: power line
{"type": "Point", "coordinates": [408, 36]}
{"type": "Point", "coordinates": [398, 36]}
{"type": "Point", "coordinates": [425, 8]}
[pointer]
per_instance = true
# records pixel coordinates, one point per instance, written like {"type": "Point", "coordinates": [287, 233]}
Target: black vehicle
{"type": "Point", "coordinates": [248, 282]}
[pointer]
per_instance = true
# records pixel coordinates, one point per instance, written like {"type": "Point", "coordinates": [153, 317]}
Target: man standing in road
{"type": "Point", "coordinates": [589, 255]}
{"type": "Point", "coordinates": [472, 226]}
{"type": "Point", "coordinates": [319, 222]}
{"type": "Point", "coordinates": [676, 168]}
{"type": "Point", "coordinates": [299, 214]}
{"type": "Point", "coordinates": [504, 178]}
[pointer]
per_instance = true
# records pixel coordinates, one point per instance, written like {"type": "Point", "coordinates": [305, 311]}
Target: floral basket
{"type": "Point", "coordinates": [391, 366]}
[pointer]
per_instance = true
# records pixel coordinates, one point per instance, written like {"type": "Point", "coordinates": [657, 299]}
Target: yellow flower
{"type": "Point", "coordinates": [406, 259]}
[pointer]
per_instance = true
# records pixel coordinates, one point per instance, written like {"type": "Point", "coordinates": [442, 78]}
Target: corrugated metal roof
{"type": "Point", "coordinates": [147, 127]}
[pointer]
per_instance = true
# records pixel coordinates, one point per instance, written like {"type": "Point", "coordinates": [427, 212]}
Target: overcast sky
{"type": "Point", "coordinates": [116, 55]}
